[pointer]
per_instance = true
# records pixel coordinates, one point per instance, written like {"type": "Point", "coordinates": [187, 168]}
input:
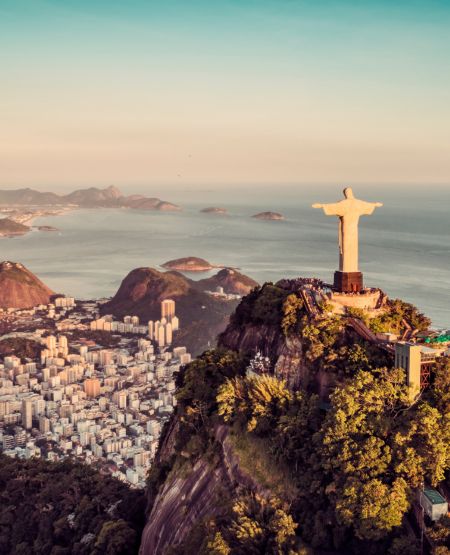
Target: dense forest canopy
{"type": "Point", "coordinates": [66, 508]}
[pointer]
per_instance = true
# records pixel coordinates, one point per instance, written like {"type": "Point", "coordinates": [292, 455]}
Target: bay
{"type": "Point", "coordinates": [404, 246]}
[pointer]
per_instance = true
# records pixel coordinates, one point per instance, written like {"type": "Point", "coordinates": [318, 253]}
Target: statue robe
{"type": "Point", "coordinates": [349, 211]}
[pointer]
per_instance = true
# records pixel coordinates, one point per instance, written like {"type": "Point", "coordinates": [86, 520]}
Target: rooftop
{"type": "Point", "coordinates": [434, 496]}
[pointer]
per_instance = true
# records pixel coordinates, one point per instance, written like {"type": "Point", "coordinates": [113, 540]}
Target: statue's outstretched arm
{"type": "Point", "coordinates": [367, 208]}
{"type": "Point", "coordinates": [335, 209]}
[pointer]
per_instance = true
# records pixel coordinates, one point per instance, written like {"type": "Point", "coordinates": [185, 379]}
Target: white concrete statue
{"type": "Point", "coordinates": [348, 211]}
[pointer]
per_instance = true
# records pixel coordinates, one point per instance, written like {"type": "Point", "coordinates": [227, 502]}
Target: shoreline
{"type": "Point", "coordinates": [27, 215]}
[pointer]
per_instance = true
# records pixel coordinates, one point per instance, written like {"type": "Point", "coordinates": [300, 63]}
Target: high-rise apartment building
{"type": "Point", "coordinates": [44, 424]}
{"type": "Point", "coordinates": [168, 309]}
{"type": "Point", "coordinates": [27, 414]}
{"type": "Point", "coordinates": [168, 328]}
{"type": "Point", "coordinates": [63, 347]}
{"type": "Point", "coordinates": [92, 387]}
{"type": "Point", "coordinates": [161, 336]}
{"type": "Point", "coordinates": [50, 342]}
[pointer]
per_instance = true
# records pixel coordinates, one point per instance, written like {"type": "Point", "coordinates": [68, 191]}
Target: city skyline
{"type": "Point", "coordinates": [236, 92]}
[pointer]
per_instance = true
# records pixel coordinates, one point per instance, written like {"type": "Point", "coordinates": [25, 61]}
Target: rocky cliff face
{"type": "Point", "coordinates": [251, 338]}
{"type": "Point", "coordinates": [286, 354]}
{"type": "Point", "coordinates": [189, 497]}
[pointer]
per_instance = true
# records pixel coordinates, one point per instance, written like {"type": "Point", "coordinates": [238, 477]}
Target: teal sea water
{"type": "Point", "coordinates": [404, 246]}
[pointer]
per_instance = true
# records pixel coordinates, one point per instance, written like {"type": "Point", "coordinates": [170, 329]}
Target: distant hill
{"type": "Point", "coordinates": [28, 197]}
{"type": "Point", "coordinates": [231, 280]}
{"type": "Point", "coordinates": [144, 203]}
{"type": "Point", "coordinates": [94, 196]}
{"type": "Point", "coordinates": [189, 264]}
{"type": "Point", "coordinates": [202, 317]}
{"type": "Point", "coordinates": [10, 228]}
{"type": "Point", "coordinates": [88, 198]}
{"type": "Point", "coordinates": [20, 288]}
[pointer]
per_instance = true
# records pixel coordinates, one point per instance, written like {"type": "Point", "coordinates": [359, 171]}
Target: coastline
{"type": "Point", "coordinates": [112, 242]}
{"type": "Point", "coordinates": [27, 215]}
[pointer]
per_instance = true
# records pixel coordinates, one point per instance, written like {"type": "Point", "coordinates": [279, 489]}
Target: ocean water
{"type": "Point", "coordinates": [404, 246]}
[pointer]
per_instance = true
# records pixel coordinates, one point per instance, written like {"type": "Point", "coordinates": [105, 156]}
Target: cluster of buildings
{"type": "Point", "coordinates": [64, 302]}
{"type": "Point", "coordinates": [161, 331]}
{"type": "Point", "coordinates": [94, 403]}
{"type": "Point", "coordinates": [219, 293]}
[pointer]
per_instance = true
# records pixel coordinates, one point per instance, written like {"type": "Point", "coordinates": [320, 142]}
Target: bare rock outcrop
{"type": "Point", "coordinates": [189, 497]}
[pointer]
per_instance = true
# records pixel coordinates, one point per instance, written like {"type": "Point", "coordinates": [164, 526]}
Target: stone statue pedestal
{"type": "Point", "coordinates": [348, 282]}
{"type": "Point", "coordinates": [367, 301]}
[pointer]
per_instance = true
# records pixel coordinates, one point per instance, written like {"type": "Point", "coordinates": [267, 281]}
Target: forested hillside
{"type": "Point", "coordinates": [277, 469]}
{"type": "Point", "coordinates": [66, 508]}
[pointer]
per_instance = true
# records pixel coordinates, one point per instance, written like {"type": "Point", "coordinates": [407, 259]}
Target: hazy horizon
{"type": "Point", "coordinates": [151, 189]}
{"type": "Point", "coordinates": [160, 93]}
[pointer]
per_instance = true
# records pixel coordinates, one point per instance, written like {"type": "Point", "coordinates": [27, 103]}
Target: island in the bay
{"type": "Point", "coordinates": [215, 210]}
{"type": "Point", "coordinates": [46, 228]}
{"type": "Point", "coordinates": [190, 264]}
{"type": "Point", "coordinates": [11, 228]}
{"type": "Point", "coordinates": [268, 216]}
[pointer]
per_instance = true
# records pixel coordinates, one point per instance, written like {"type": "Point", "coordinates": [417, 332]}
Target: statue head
{"type": "Point", "coordinates": [348, 193]}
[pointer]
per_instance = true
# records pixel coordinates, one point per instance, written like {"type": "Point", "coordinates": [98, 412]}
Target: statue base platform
{"type": "Point", "coordinates": [366, 300]}
{"type": "Point", "coordinates": [348, 282]}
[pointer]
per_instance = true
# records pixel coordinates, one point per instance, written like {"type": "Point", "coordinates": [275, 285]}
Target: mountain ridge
{"type": "Point", "coordinates": [109, 197]}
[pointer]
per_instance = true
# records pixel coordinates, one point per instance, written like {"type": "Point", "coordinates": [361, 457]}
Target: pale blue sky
{"type": "Point", "coordinates": [99, 92]}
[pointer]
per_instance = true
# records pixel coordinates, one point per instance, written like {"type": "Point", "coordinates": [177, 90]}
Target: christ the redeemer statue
{"type": "Point", "coordinates": [349, 210]}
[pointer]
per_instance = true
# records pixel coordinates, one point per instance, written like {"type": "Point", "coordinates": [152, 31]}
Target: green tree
{"type": "Point", "coordinates": [261, 525]}
{"type": "Point", "coordinates": [218, 546]}
{"type": "Point", "coordinates": [197, 393]}
{"type": "Point", "coordinates": [441, 385]}
{"type": "Point", "coordinates": [257, 401]}
{"type": "Point", "coordinates": [376, 447]}
{"type": "Point", "coordinates": [115, 538]}
{"type": "Point", "coordinates": [405, 545]}
{"type": "Point", "coordinates": [372, 507]}
{"type": "Point", "coordinates": [291, 307]}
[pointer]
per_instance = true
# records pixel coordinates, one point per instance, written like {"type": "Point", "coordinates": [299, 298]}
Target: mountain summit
{"type": "Point", "coordinates": [87, 198]}
{"type": "Point", "coordinates": [202, 316]}
{"type": "Point", "coordinates": [20, 288]}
